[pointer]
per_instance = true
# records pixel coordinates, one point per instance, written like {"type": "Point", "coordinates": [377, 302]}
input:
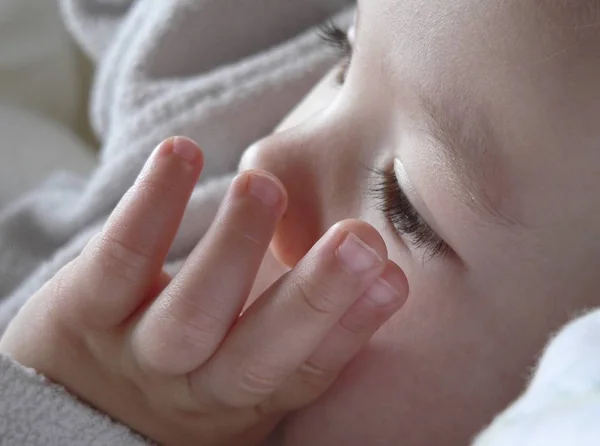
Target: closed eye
{"type": "Point", "coordinates": [407, 222]}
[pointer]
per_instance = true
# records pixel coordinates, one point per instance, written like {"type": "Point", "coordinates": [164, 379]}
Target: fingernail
{"type": "Point", "coordinates": [264, 189]}
{"type": "Point", "coordinates": [356, 256]}
{"type": "Point", "coordinates": [185, 148]}
{"type": "Point", "coordinates": [382, 293]}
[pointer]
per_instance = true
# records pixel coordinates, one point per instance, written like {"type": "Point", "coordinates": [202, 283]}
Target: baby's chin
{"type": "Point", "coordinates": [270, 271]}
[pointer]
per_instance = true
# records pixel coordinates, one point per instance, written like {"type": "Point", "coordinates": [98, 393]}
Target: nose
{"type": "Point", "coordinates": [316, 165]}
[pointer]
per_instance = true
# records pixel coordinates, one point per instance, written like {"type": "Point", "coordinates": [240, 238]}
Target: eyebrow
{"type": "Point", "coordinates": [463, 131]}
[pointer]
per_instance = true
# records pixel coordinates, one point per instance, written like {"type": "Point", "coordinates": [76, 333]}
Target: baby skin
{"type": "Point", "coordinates": [172, 357]}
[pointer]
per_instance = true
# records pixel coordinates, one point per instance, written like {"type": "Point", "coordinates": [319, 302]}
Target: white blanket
{"type": "Point", "coordinates": [561, 406]}
{"type": "Point", "coordinates": [223, 73]}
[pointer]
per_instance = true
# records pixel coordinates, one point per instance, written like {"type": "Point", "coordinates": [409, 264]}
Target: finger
{"type": "Point", "coordinates": [284, 327]}
{"type": "Point", "coordinates": [186, 324]}
{"type": "Point", "coordinates": [377, 305]}
{"type": "Point", "coordinates": [123, 263]}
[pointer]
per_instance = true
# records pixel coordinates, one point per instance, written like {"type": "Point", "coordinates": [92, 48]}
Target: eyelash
{"type": "Point", "coordinates": [337, 39]}
{"type": "Point", "coordinates": [394, 204]}
{"type": "Point", "coordinates": [392, 201]}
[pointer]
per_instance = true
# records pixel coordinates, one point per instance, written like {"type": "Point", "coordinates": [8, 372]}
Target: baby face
{"type": "Point", "coordinates": [466, 132]}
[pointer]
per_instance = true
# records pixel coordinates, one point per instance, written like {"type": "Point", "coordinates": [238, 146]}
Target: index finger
{"type": "Point", "coordinates": [122, 264]}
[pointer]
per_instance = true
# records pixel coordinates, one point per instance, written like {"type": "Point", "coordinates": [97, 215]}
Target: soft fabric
{"type": "Point", "coordinates": [43, 86]}
{"type": "Point", "coordinates": [561, 406]}
{"type": "Point", "coordinates": [41, 413]}
{"type": "Point", "coordinates": [40, 66]}
{"type": "Point", "coordinates": [23, 165]}
{"type": "Point", "coordinates": [221, 72]}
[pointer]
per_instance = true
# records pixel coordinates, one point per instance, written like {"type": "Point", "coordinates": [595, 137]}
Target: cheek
{"type": "Point", "coordinates": [438, 292]}
{"type": "Point", "coordinates": [440, 288]}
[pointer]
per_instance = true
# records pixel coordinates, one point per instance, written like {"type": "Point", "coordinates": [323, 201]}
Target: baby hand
{"type": "Point", "coordinates": [172, 357]}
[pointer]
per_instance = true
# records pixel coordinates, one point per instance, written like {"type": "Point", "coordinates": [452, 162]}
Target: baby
{"type": "Point", "coordinates": [458, 159]}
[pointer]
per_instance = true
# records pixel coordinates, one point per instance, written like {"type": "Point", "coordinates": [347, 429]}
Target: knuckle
{"type": "Point", "coordinates": [244, 235]}
{"type": "Point", "coordinates": [316, 297]}
{"type": "Point", "coordinates": [249, 389]}
{"type": "Point", "coordinates": [354, 323]}
{"type": "Point", "coordinates": [197, 326]}
{"type": "Point", "coordinates": [256, 386]}
{"type": "Point", "coordinates": [314, 380]}
{"type": "Point", "coordinates": [118, 259]}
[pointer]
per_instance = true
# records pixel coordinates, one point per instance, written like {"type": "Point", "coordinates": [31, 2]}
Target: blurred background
{"type": "Point", "coordinates": [44, 80]}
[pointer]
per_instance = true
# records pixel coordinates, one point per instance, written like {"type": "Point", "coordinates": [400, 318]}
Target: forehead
{"type": "Point", "coordinates": [465, 45]}
{"type": "Point", "coordinates": [479, 47]}
{"type": "Point", "coordinates": [501, 82]}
